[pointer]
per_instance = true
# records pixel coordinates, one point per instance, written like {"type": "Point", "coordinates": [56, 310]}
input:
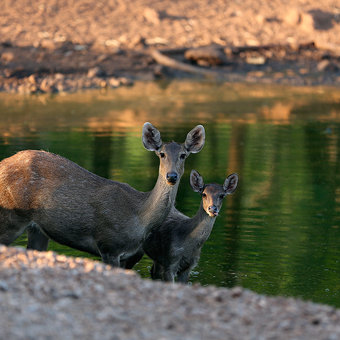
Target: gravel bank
{"type": "Point", "coordinates": [50, 46]}
{"type": "Point", "coordinates": [49, 296]}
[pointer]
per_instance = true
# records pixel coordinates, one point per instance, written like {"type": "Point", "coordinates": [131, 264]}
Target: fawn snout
{"type": "Point", "coordinates": [213, 210]}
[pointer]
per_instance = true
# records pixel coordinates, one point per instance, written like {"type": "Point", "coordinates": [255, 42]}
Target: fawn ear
{"type": "Point", "coordinates": [230, 184]}
{"type": "Point", "coordinates": [195, 139]}
{"type": "Point", "coordinates": [151, 137]}
{"type": "Point", "coordinates": [196, 181]}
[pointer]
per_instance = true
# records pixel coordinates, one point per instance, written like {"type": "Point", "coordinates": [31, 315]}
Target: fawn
{"type": "Point", "coordinates": [175, 247]}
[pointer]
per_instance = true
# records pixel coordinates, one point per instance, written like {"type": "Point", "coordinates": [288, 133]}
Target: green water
{"type": "Point", "coordinates": [279, 234]}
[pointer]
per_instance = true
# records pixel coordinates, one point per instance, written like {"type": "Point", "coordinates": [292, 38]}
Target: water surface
{"type": "Point", "coordinates": [279, 233]}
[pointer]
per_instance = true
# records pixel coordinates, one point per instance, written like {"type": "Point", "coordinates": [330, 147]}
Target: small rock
{"type": "Point", "coordinates": [204, 63]}
{"type": "Point", "coordinates": [103, 83]}
{"type": "Point", "coordinates": [125, 81]}
{"type": "Point", "coordinates": [137, 41]}
{"type": "Point", "coordinates": [228, 51]}
{"type": "Point", "coordinates": [3, 286]}
{"type": "Point", "coordinates": [207, 55]}
{"type": "Point", "coordinates": [292, 16]}
{"type": "Point", "coordinates": [48, 44]}
{"type": "Point", "coordinates": [257, 74]}
{"type": "Point", "coordinates": [252, 42]}
{"type": "Point", "coordinates": [151, 15]}
{"type": "Point", "coordinates": [114, 82]}
{"type": "Point", "coordinates": [80, 47]}
{"type": "Point", "coordinates": [47, 86]}
{"type": "Point", "coordinates": [102, 58]}
{"type": "Point", "coordinates": [278, 75]}
{"type": "Point", "coordinates": [22, 89]}
{"type": "Point", "coordinates": [112, 42]}
{"type": "Point", "coordinates": [159, 71]}
{"type": "Point", "coordinates": [303, 70]}
{"type": "Point", "coordinates": [7, 56]}
{"type": "Point", "coordinates": [95, 72]}
{"type": "Point", "coordinates": [59, 76]}
{"type": "Point", "coordinates": [256, 60]}
{"type": "Point", "coordinates": [31, 79]}
{"type": "Point", "coordinates": [236, 292]}
{"type": "Point", "coordinates": [60, 87]}
{"type": "Point", "coordinates": [327, 66]}
{"type": "Point", "coordinates": [156, 41]}
{"type": "Point", "coordinates": [307, 22]}
{"type": "Point", "coordinates": [33, 89]}
{"type": "Point", "coordinates": [260, 19]}
{"type": "Point", "coordinates": [59, 38]}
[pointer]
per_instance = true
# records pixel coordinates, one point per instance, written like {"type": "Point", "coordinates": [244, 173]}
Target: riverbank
{"type": "Point", "coordinates": [45, 295]}
{"type": "Point", "coordinates": [58, 46]}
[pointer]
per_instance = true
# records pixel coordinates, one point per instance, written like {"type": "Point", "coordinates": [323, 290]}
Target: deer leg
{"type": "Point", "coordinates": [156, 271]}
{"type": "Point", "coordinates": [11, 227]}
{"type": "Point", "coordinates": [169, 274]}
{"type": "Point", "coordinates": [110, 259]}
{"type": "Point", "coordinates": [8, 236]}
{"type": "Point", "coordinates": [36, 238]}
{"type": "Point", "coordinates": [183, 276]}
{"type": "Point", "coordinates": [132, 260]}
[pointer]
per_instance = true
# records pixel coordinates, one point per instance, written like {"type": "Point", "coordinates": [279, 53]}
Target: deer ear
{"type": "Point", "coordinates": [151, 137]}
{"type": "Point", "coordinates": [195, 139]}
{"type": "Point", "coordinates": [230, 184]}
{"type": "Point", "coordinates": [196, 181]}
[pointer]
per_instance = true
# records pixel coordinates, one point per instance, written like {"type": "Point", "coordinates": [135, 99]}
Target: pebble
{"type": "Point", "coordinates": [7, 56]}
{"type": "Point", "coordinates": [151, 15]}
{"type": "Point", "coordinates": [95, 72]}
{"type": "Point", "coordinates": [256, 60]}
{"type": "Point", "coordinates": [206, 55]}
{"type": "Point", "coordinates": [3, 286]}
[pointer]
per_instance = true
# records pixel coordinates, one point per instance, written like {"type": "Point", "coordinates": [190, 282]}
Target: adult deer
{"type": "Point", "coordinates": [175, 247]}
{"type": "Point", "coordinates": [55, 198]}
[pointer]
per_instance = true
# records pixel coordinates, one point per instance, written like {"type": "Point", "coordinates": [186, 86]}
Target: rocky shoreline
{"type": "Point", "coordinates": [44, 71]}
{"type": "Point", "coordinates": [48, 296]}
{"type": "Point", "coordinates": [54, 47]}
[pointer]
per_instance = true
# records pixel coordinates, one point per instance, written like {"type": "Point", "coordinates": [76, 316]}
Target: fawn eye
{"type": "Point", "coordinates": [162, 154]}
{"type": "Point", "coordinates": [182, 156]}
{"type": "Point", "coordinates": [204, 195]}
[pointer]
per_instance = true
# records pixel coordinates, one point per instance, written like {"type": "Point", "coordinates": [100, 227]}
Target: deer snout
{"type": "Point", "coordinates": [212, 210]}
{"type": "Point", "coordinates": [172, 177]}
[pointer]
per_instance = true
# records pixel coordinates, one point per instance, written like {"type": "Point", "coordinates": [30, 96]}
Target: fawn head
{"type": "Point", "coordinates": [172, 155]}
{"type": "Point", "coordinates": [213, 194]}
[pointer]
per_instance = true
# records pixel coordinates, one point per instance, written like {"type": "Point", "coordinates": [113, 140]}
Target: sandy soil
{"type": "Point", "coordinates": [49, 296]}
{"type": "Point", "coordinates": [86, 43]}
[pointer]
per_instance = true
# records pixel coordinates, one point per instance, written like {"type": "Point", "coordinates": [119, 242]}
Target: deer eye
{"type": "Point", "coordinates": [204, 195]}
{"type": "Point", "coordinates": [221, 196]}
{"type": "Point", "coordinates": [162, 154]}
{"type": "Point", "coordinates": [182, 156]}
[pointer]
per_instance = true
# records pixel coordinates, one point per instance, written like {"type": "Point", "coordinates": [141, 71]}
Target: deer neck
{"type": "Point", "coordinates": [158, 203]}
{"type": "Point", "coordinates": [201, 225]}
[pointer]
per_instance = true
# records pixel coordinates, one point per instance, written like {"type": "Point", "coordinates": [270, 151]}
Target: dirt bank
{"type": "Point", "coordinates": [55, 46]}
{"type": "Point", "coordinates": [44, 295]}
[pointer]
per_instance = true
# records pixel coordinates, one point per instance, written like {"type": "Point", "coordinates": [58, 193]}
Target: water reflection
{"type": "Point", "coordinates": [279, 233]}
